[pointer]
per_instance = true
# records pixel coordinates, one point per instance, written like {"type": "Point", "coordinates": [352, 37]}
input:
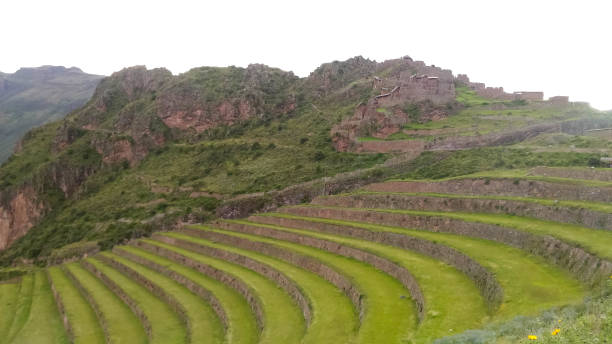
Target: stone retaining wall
{"type": "Point", "coordinates": [503, 187]}
{"type": "Point", "coordinates": [604, 175]}
{"type": "Point", "coordinates": [92, 302]}
{"type": "Point", "coordinates": [271, 273]}
{"type": "Point", "coordinates": [585, 266]}
{"type": "Point", "coordinates": [229, 280]}
{"type": "Point", "coordinates": [307, 263]}
{"type": "Point", "coordinates": [485, 281]}
{"type": "Point", "coordinates": [572, 215]}
{"type": "Point", "coordinates": [186, 282]}
{"type": "Point", "coordinates": [61, 309]}
{"type": "Point", "coordinates": [392, 269]}
{"type": "Point", "coordinates": [122, 295]}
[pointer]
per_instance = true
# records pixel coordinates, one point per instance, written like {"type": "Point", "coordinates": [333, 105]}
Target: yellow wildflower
{"type": "Point", "coordinates": [532, 337]}
{"type": "Point", "coordinates": [555, 331]}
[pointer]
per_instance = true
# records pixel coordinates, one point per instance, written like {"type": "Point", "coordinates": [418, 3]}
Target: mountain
{"type": "Point", "coordinates": [34, 96]}
{"type": "Point", "coordinates": [151, 150]}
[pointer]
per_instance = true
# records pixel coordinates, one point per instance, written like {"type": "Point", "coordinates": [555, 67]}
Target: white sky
{"type": "Point", "coordinates": [559, 47]}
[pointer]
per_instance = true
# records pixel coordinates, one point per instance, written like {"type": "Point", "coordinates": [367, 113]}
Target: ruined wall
{"type": "Point", "coordinates": [526, 95]}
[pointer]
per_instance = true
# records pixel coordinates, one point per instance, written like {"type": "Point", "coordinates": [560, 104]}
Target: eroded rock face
{"type": "Point", "coordinates": [17, 215]}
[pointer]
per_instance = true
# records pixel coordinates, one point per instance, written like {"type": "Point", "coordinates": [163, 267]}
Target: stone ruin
{"type": "Point", "coordinates": [498, 92]}
{"type": "Point", "coordinates": [403, 82]}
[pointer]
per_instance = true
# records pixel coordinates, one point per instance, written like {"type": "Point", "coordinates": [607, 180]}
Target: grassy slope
{"type": "Point", "coordinates": [9, 293]}
{"type": "Point", "coordinates": [530, 284]}
{"type": "Point", "coordinates": [204, 325]}
{"type": "Point", "coordinates": [44, 324]}
{"type": "Point", "coordinates": [439, 283]}
{"type": "Point", "coordinates": [283, 320]}
{"type": "Point", "coordinates": [388, 317]}
{"type": "Point", "coordinates": [165, 324]}
{"type": "Point", "coordinates": [242, 328]}
{"type": "Point", "coordinates": [336, 324]}
{"type": "Point", "coordinates": [81, 316]}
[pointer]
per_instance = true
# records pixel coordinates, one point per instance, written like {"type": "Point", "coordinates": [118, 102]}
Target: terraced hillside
{"type": "Point", "coordinates": [402, 261]}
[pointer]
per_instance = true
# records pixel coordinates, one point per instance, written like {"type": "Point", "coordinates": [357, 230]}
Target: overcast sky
{"type": "Point", "coordinates": [559, 47]}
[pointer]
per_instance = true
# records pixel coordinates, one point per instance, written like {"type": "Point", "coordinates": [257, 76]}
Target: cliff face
{"type": "Point", "coordinates": [18, 215]}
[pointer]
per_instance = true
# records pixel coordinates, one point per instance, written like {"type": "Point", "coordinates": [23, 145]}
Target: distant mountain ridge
{"type": "Point", "coordinates": [31, 97]}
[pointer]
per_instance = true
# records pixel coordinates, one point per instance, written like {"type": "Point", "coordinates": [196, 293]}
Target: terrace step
{"type": "Point", "coordinates": [23, 305]}
{"type": "Point", "coordinates": [522, 186]}
{"type": "Point", "coordinates": [43, 324]}
{"type": "Point", "coordinates": [337, 324]}
{"type": "Point", "coordinates": [159, 320]}
{"type": "Point", "coordinates": [437, 280]}
{"type": "Point", "coordinates": [197, 315]}
{"type": "Point", "coordinates": [585, 252]}
{"type": "Point", "coordinates": [521, 296]}
{"type": "Point", "coordinates": [281, 317]}
{"type": "Point", "coordinates": [592, 215]}
{"type": "Point", "coordinates": [383, 296]}
{"type": "Point", "coordinates": [9, 293]}
{"type": "Point", "coordinates": [82, 322]}
{"type": "Point", "coordinates": [274, 275]}
{"type": "Point", "coordinates": [231, 307]}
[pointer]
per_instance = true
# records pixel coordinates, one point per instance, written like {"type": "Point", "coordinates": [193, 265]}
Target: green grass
{"type": "Point", "coordinates": [9, 293]}
{"type": "Point", "coordinates": [439, 284]}
{"type": "Point", "coordinates": [242, 327]}
{"type": "Point", "coordinates": [81, 316]}
{"type": "Point", "coordinates": [595, 241]}
{"type": "Point", "coordinates": [595, 206]}
{"type": "Point", "coordinates": [165, 324]}
{"type": "Point", "coordinates": [530, 284]}
{"type": "Point", "coordinates": [283, 320]}
{"type": "Point", "coordinates": [205, 327]}
{"type": "Point", "coordinates": [44, 323]}
{"type": "Point", "coordinates": [123, 326]}
{"type": "Point", "coordinates": [388, 317]}
{"type": "Point", "coordinates": [23, 305]}
{"type": "Point", "coordinates": [336, 324]}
